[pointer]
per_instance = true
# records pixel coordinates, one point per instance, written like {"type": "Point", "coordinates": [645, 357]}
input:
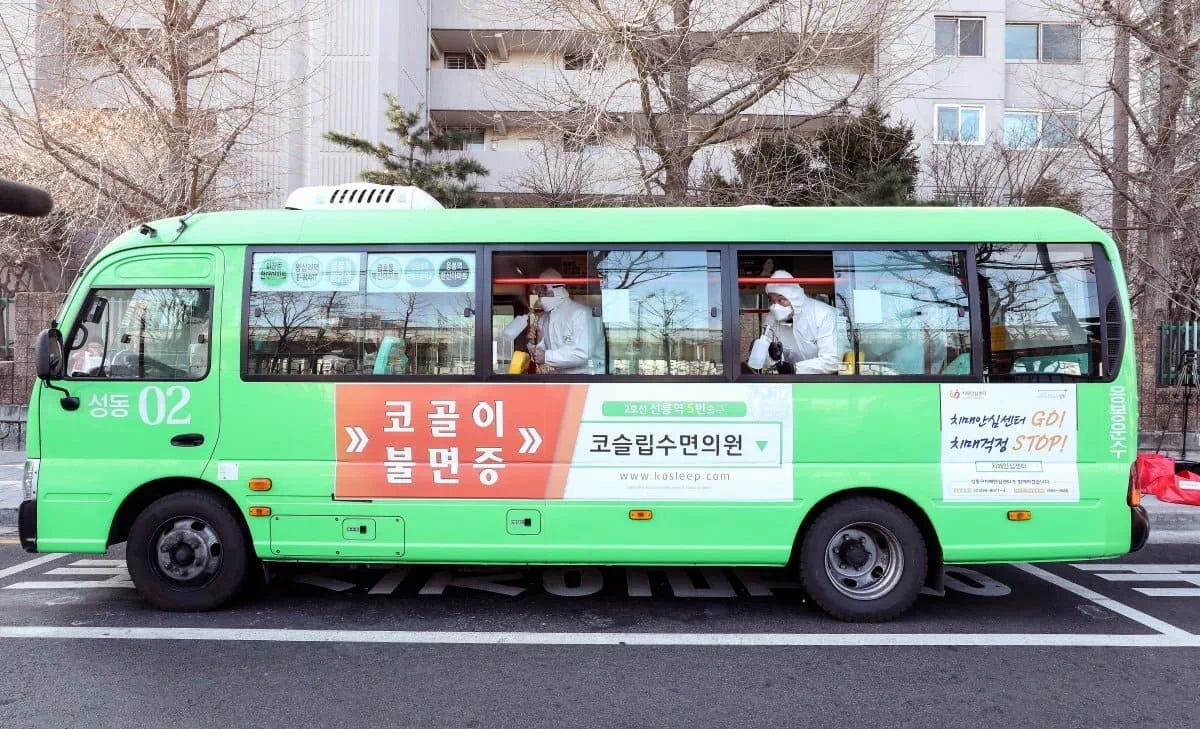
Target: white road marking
{"type": "Point", "coordinates": [98, 563]}
{"type": "Point", "coordinates": [117, 581]}
{"type": "Point", "coordinates": [1106, 602]}
{"type": "Point", "coordinates": [1169, 591]}
{"type": "Point", "coordinates": [76, 571]}
{"type": "Point", "coordinates": [1186, 573]}
{"type": "Point", "coordinates": [1154, 568]}
{"type": "Point", "coordinates": [283, 635]}
{"type": "Point", "coordinates": [29, 564]}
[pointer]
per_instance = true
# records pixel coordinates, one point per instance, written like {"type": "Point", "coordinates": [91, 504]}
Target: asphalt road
{"type": "Point", "coordinates": [1092, 645]}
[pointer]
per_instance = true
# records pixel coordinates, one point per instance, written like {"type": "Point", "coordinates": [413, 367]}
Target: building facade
{"type": "Point", "coordinates": [974, 77]}
{"type": "Point", "coordinates": [978, 77]}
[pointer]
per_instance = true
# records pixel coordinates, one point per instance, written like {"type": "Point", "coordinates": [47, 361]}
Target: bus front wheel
{"type": "Point", "coordinates": [187, 551]}
{"type": "Point", "coordinates": [863, 560]}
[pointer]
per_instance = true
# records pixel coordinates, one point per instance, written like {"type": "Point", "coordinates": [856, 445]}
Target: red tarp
{"type": "Point", "coordinates": [1156, 476]}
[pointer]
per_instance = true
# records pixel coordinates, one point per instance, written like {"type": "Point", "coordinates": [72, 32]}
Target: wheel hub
{"type": "Point", "coordinates": [864, 561]}
{"type": "Point", "coordinates": [188, 551]}
{"type": "Point", "coordinates": [854, 553]}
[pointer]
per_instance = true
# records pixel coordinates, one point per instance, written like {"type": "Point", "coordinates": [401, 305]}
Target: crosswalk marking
{"type": "Point", "coordinates": [117, 581]}
{"type": "Point", "coordinates": [79, 568]}
{"type": "Point", "coordinates": [76, 571]}
{"type": "Point", "coordinates": [1185, 573]}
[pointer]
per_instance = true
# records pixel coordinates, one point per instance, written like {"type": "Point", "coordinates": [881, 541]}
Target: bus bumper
{"type": "Point", "coordinates": [27, 525]}
{"type": "Point", "coordinates": [1141, 528]}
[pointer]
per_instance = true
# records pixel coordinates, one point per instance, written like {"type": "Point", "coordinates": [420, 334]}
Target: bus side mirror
{"type": "Point", "coordinates": [48, 354]}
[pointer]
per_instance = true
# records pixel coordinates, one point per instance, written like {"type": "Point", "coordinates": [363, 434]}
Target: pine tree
{"type": "Point", "coordinates": [853, 160]}
{"type": "Point", "coordinates": [420, 159]}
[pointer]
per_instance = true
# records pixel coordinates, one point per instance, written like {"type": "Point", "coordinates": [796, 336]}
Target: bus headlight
{"type": "Point", "coordinates": [29, 481]}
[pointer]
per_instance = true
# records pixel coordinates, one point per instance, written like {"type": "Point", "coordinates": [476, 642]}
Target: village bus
{"type": "Point", "coordinates": [343, 381]}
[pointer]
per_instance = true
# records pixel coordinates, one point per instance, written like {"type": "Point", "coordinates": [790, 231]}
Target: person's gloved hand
{"type": "Point", "coordinates": [775, 351]}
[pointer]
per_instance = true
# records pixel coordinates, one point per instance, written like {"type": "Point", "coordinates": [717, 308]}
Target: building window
{"type": "Point", "coordinates": [465, 139]}
{"type": "Point", "coordinates": [959, 124]}
{"type": "Point", "coordinates": [354, 313]}
{"type": "Point", "coordinates": [580, 61]}
{"type": "Point", "coordinates": [962, 37]}
{"type": "Point", "coordinates": [959, 197]}
{"type": "Point", "coordinates": [580, 141]}
{"type": "Point", "coordinates": [1061, 42]}
{"type": "Point", "coordinates": [1046, 42]}
{"type": "Point", "coordinates": [465, 61]}
{"type": "Point", "coordinates": [1045, 129]}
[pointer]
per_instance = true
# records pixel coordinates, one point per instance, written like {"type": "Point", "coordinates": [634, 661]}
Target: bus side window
{"type": "Point", "coordinates": [357, 313]}
{"type": "Point", "coordinates": [1041, 305]}
{"type": "Point", "coordinates": [142, 334]}
{"type": "Point", "coordinates": [855, 312]}
{"type": "Point", "coordinates": [906, 311]}
{"type": "Point", "coordinates": [615, 312]}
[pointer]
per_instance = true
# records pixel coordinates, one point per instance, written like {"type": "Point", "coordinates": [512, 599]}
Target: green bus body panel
{"type": "Point", "coordinates": [861, 435]}
{"type": "Point", "coordinates": [89, 462]}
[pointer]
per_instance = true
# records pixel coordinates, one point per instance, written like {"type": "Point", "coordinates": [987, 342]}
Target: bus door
{"type": "Point", "coordinates": [139, 354]}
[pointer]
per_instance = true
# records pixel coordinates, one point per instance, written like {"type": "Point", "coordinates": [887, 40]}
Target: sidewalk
{"type": "Point", "coordinates": [1168, 522]}
{"type": "Point", "coordinates": [11, 466]}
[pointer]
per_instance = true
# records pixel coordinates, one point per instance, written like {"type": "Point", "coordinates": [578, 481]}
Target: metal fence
{"type": "Point", "coordinates": [1178, 343]}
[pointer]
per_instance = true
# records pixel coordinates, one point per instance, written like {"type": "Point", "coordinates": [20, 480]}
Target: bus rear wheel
{"type": "Point", "coordinates": [187, 552]}
{"type": "Point", "coordinates": [863, 560]}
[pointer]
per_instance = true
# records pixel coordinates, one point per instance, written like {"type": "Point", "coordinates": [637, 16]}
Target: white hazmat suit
{"type": "Point", "coordinates": [564, 330]}
{"type": "Point", "coordinates": [809, 336]}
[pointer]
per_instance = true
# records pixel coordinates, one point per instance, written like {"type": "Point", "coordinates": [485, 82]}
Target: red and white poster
{"type": "Point", "coordinates": [569, 441]}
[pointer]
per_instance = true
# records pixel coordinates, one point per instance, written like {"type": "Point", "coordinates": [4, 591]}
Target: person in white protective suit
{"type": "Point", "coordinates": [564, 330]}
{"type": "Point", "coordinates": [806, 330]}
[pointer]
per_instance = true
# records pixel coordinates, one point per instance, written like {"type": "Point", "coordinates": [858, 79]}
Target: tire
{"type": "Point", "coordinates": [866, 583]}
{"type": "Point", "coordinates": [211, 561]}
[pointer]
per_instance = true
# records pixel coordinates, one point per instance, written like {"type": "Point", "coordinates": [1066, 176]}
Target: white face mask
{"type": "Point", "coordinates": [549, 303]}
{"type": "Point", "coordinates": [781, 312]}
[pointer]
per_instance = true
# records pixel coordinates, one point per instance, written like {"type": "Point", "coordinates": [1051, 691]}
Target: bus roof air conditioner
{"type": "Point", "coordinates": [361, 196]}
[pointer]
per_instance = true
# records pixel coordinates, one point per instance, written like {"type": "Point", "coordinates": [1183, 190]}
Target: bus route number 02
{"type": "Point", "coordinates": [156, 406]}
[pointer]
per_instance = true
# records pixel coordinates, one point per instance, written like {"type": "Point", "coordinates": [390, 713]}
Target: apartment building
{"type": "Point", "coordinates": [971, 75]}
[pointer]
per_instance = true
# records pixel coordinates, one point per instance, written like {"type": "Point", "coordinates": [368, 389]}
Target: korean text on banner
{"type": "Point", "coordinates": [1009, 442]}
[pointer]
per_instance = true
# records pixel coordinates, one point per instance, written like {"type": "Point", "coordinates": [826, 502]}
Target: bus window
{"type": "Point", "coordinates": [787, 320]}
{"type": "Point", "coordinates": [608, 312]}
{"type": "Point", "coordinates": [854, 312]}
{"type": "Point", "coordinates": [142, 334]}
{"type": "Point", "coordinates": [1042, 306]}
{"type": "Point", "coordinates": [906, 312]}
{"type": "Point", "coordinates": [368, 314]}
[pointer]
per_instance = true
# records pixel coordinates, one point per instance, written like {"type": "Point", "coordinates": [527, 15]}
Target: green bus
{"type": "Point", "coordinates": [860, 395]}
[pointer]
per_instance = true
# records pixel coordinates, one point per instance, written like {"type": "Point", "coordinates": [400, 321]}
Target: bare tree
{"type": "Point", "coordinates": [1154, 91]}
{"type": "Point", "coordinates": [677, 80]}
{"type": "Point", "coordinates": [556, 177]}
{"type": "Point", "coordinates": [993, 174]}
{"type": "Point", "coordinates": [152, 108]}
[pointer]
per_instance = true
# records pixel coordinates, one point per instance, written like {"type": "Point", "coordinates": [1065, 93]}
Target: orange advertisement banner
{"type": "Point", "coordinates": [455, 441]}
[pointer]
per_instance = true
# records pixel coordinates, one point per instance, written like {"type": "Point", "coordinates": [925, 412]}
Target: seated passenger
{"type": "Point", "coordinates": [806, 330]}
{"type": "Point", "coordinates": [563, 332]}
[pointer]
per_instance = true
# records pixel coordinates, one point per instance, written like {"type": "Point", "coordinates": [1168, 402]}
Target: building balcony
{"type": "Point", "coordinates": [475, 97]}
